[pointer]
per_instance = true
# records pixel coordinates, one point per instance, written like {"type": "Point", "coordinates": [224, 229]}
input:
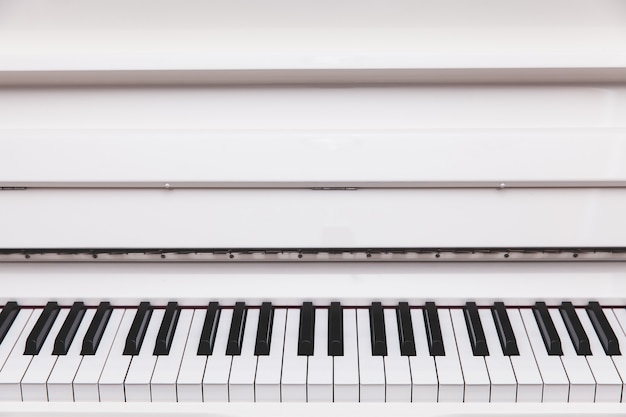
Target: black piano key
{"type": "Point", "coordinates": [138, 329]}
{"type": "Point", "coordinates": [68, 330]}
{"type": "Point", "coordinates": [377, 330]}
{"type": "Point", "coordinates": [433, 330]}
{"type": "Point", "coordinates": [546, 328]}
{"type": "Point", "coordinates": [7, 317]}
{"type": "Point", "coordinates": [335, 329]}
{"type": "Point", "coordinates": [603, 329]}
{"type": "Point", "coordinates": [475, 329]}
{"type": "Point", "coordinates": [38, 335]}
{"type": "Point", "coordinates": [237, 326]}
{"type": "Point", "coordinates": [167, 329]}
{"type": "Point", "coordinates": [264, 330]}
{"type": "Point", "coordinates": [306, 333]}
{"type": "Point", "coordinates": [209, 329]}
{"type": "Point", "coordinates": [575, 328]}
{"type": "Point", "coordinates": [504, 329]}
{"type": "Point", "coordinates": [405, 330]}
{"type": "Point", "coordinates": [96, 329]}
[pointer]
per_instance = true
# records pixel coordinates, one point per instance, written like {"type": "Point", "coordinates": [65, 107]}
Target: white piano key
{"type": "Point", "coordinates": [501, 375]}
{"type": "Point", "coordinates": [529, 382]}
{"type": "Point", "coordinates": [320, 369]}
{"type": "Point", "coordinates": [36, 376]}
{"type": "Point", "coordinates": [582, 383]}
{"type": "Point", "coordinates": [618, 360]}
{"type": "Point", "coordinates": [371, 368]}
{"type": "Point", "coordinates": [555, 381]}
{"type": "Point", "coordinates": [217, 370]}
{"type": "Point", "coordinates": [451, 382]}
{"type": "Point", "coordinates": [13, 334]}
{"type": "Point", "coordinates": [17, 363]}
{"type": "Point", "coordinates": [163, 382]}
{"type": "Point", "coordinates": [86, 379]}
{"type": "Point", "coordinates": [608, 382]}
{"type": "Point", "coordinates": [397, 371]}
{"type": "Point", "coordinates": [320, 372]}
{"type": "Point", "coordinates": [346, 367]}
{"type": "Point", "coordinates": [62, 376]}
{"type": "Point", "coordinates": [425, 384]}
{"type": "Point", "coordinates": [243, 368]}
{"type": "Point", "coordinates": [189, 381]}
{"type": "Point", "coordinates": [293, 380]}
{"type": "Point", "coordinates": [137, 382]}
{"type": "Point", "coordinates": [269, 367]}
{"type": "Point", "coordinates": [111, 382]}
{"type": "Point", "coordinates": [475, 374]}
{"type": "Point", "coordinates": [620, 315]}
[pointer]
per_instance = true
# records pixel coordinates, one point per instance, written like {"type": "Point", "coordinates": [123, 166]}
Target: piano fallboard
{"type": "Point", "coordinates": [291, 283]}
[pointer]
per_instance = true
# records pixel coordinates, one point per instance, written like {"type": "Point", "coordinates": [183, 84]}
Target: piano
{"type": "Point", "coordinates": [304, 208]}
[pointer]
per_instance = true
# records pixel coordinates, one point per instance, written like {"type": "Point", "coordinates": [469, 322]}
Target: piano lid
{"type": "Point", "coordinates": [282, 41]}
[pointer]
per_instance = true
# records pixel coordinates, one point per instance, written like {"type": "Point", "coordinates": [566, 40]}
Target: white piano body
{"type": "Point", "coordinates": [277, 152]}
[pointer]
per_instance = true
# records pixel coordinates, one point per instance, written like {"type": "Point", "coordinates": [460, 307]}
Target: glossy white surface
{"type": "Point", "coordinates": [349, 108]}
{"type": "Point", "coordinates": [394, 157]}
{"type": "Point", "coordinates": [97, 35]}
{"type": "Point", "coordinates": [392, 218]}
{"type": "Point", "coordinates": [291, 284]}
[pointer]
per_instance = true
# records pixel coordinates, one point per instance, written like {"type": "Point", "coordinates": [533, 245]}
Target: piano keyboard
{"type": "Point", "coordinates": [308, 353]}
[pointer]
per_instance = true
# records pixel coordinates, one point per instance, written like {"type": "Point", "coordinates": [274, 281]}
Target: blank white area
{"type": "Point", "coordinates": [290, 284]}
{"type": "Point", "coordinates": [326, 134]}
{"type": "Point", "coordinates": [310, 410]}
{"type": "Point", "coordinates": [15, 409]}
{"type": "Point", "coordinates": [313, 158]}
{"type": "Point", "coordinates": [196, 34]}
{"type": "Point", "coordinates": [292, 107]}
{"type": "Point", "coordinates": [81, 218]}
